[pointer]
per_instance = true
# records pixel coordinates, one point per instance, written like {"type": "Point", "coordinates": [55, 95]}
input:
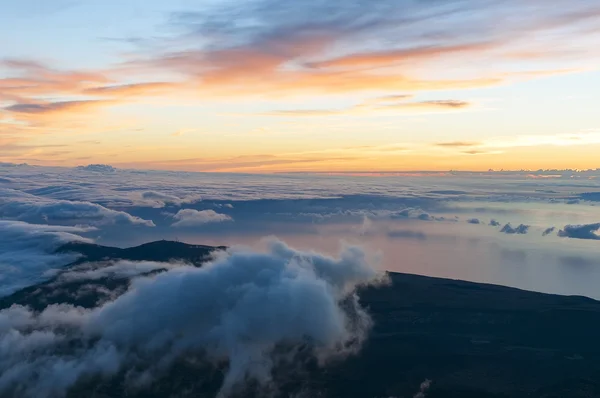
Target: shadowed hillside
{"type": "Point", "coordinates": [162, 250]}
{"type": "Point", "coordinates": [471, 340]}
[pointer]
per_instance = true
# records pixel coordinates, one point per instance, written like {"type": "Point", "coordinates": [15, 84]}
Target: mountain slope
{"type": "Point", "coordinates": [472, 340]}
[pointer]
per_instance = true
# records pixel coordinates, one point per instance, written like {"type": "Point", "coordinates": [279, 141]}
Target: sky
{"type": "Point", "coordinates": [265, 86]}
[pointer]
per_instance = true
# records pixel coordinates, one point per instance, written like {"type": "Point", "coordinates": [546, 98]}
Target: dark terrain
{"type": "Point", "coordinates": [471, 340]}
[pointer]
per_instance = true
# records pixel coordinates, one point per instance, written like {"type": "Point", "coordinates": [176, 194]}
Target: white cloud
{"type": "Point", "coordinates": [161, 199]}
{"type": "Point", "coordinates": [239, 308]}
{"type": "Point", "coordinates": [27, 253]}
{"type": "Point", "coordinates": [119, 269]}
{"type": "Point", "coordinates": [22, 206]}
{"type": "Point", "coordinates": [194, 218]}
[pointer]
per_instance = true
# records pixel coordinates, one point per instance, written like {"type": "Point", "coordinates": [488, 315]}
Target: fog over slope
{"type": "Point", "coordinates": [26, 252]}
{"type": "Point", "coordinates": [250, 310]}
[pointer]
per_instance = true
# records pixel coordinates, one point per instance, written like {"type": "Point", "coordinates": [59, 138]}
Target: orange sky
{"type": "Point", "coordinates": [415, 90]}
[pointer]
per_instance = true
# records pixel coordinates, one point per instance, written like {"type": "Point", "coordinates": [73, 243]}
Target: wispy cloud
{"type": "Point", "coordinates": [497, 145]}
{"type": "Point", "coordinates": [135, 89]}
{"type": "Point", "coordinates": [402, 55]}
{"type": "Point", "coordinates": [380, 104]}
{"type": "Point", "coordinates": [457, 144]}
{"type": "Point", "coordinates": [46, 108]}
{"type": "Point", "coordinates": [287, 51]}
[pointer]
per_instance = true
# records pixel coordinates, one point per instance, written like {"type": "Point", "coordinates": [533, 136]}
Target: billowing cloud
{"type": "Point", "coordinates": [161, 199]}
{"type": "Point", "coordinates": [119, 269]}
{"type": "Point", "coordinates": [244, 309]}
{"type": "Point", "coordinates": [414, 213]}
{"type": "Point", "coordinates": [521, 229]}
{"type": "Point", "coordinates": [586, 231]}
{"type": "Point", "coordinates": [97, 168]}
{"type": "Point", "coordinates": [27, 253]}
{"type": "Point", "coordinates": [193, 218]}
{"type": "Point", "coordinates": [22, 206]}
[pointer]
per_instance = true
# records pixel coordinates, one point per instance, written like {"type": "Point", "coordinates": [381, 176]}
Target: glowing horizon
{"type": "Point", "coordinates": [265, 87]}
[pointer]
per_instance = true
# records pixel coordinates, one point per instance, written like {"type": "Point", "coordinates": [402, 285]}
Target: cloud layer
{"type": "Point", "coordinates": [238, 309]}
{"type": "Point", "coordinates": [193, 218]}
{"type": "Point", "coordinates": [22, 206]}
{"type": "Point", "coordinates": [27, 253]}
{"type": "Point", "coordinates": [586, 231]}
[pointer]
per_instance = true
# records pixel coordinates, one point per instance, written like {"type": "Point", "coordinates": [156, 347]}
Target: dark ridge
{"type": "Point", "coordinates": [162, 251]}
{"type": "Point", "coordinates": [88, 294]}
{"type": "Point", "coordinates": [471, 339]}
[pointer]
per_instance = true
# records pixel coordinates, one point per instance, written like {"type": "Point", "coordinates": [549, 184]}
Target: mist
{"type": "Point", "coordinates": [248, 310]}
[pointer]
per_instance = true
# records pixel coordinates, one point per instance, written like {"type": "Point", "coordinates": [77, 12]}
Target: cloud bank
{"type": "Point", "coordinates": [161, 199]}
{"type": "Point", "coordinates": [192, 218]}
{"type": "Point", "coordinates": [27, 253]}
{"type": "Point", "coordinates": [242, 309]}
{"type": "Point", "coordinates": [586, 231]}
{"type": "Point", "coordinates": [23, 206]}
{"type": "Point", "coordinates": [97, 168]}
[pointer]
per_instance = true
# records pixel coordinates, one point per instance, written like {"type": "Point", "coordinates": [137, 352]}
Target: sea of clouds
{"type": "Point", "coordinates": [546, 217]}
{"type": "Point", "coordinates": [537, 231]}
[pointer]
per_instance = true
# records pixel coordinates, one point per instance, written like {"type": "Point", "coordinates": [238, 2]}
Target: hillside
{"type": "Point", "coordinates": [472, 340]}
